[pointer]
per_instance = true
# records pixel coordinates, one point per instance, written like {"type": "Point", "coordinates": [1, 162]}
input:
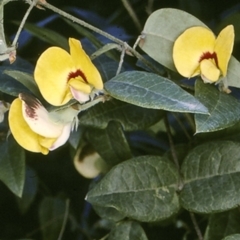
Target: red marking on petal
{"type": "Point", "coordinates": [208, 55]}
{"type": "Point", "coordinates": [77, 73]}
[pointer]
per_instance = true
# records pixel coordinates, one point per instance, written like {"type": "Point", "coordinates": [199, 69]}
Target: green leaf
{"type": "Point", "coordinates": [29, 190]}
{"type": "Point", "coordinates": [223, 108]}
{"type": "Point", "coordinates": [232, 237]}
{"type": "Point", "coordinates": [161, 30]}
{"type": "Point", "coordinates": [131, 117]}
{"type": "Point", "coordinates": [46, 35]}
{"type": "Point", "coordinates": [26, 79]}
{"type": "Point", "coordinates": [51, 214]}
{"type": "Point", "coordinates": [110, 143]}
{"type": "Point", "coordinates": [149, 90]}
{"type": "Point", "coordinates": [127, 230]}
{"type": "Point", "coordinates": [223, 224]}
{"type": "Point", "coordinates": [143, 188]}
{"type": "Point", "coordinates": [12, 166]}
{"type": "Point", "coordinates": [211, 175]}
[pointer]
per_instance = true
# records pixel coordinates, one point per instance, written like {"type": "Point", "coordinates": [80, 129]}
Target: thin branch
{"type": "Point", "coordinates": [65, 218]}
{"type": "Point", "coordinates": [149, 8]}
{"type": "Point", "coordinates": [196, 227]}
{"type": "Point", "coordinates": [33, 3]}
{"type": "Point", "coordinates": [132, 14]}
{"type": "Point", "coordinates": [99, 31]}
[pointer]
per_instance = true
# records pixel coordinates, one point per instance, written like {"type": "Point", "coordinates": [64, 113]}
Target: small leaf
{"type": "Point", "coordinates": [110, 143]}
{"type": "Point", "coordinates": [143, 188]}
{"type": "Point", "coordinates": [232, 237]}
{"type": "Point", "coordinates": [223, 108]}
{"type": "Point", "coordinates": [127, 230]}
{"type": "Point", "coordinates": [211, 175]}
{"type": "Point", "coordinates": [161, 30]}
{"type": "Point", "coordinates": [223, 224]}
{"type": "Point", "coordinates": [26, 79]}
{"type": "Point", "coordinates": [12, 166]}
{"type": "Point", "coordinates": [131, 117]}
{"type": "Point", "coordinates": [149, 90]}
{"type": "Point", "coordinates": [51, 214]}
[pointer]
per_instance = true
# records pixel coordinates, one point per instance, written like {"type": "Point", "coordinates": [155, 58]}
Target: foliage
{"type": "Point", "coordinates": [162, 150]}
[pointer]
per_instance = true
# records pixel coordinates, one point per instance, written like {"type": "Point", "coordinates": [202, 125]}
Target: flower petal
{"type": "Point", "coordinates": [38, 118]}
{"type": "Point", "coordinates": [81, 97]}
{"type": "Point", "coordinates": [21, 131]}
{"type": "Point", "coordinates": [209, 71]}
{"type": "Point", "coordinates": [84, 63]}
{"type": "Point", "coordinates": [189, 47]}
{"type": "Point", "coordinates": [223, 47]}
{"type": "Point", "coordinates": [51, 75]}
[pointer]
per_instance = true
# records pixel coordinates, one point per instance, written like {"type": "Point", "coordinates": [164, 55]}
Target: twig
{"type": "Point", "coordinates": [149, 7]}
{"type": "Point", "coordinates": [65, 218]}
{"type": "Point", "coordinates": [196, 227]}
{"type": "Point", "coordinates": [132, 14]}
{"type": "Point", "coordinates": [99, 31]}
{"type": "Point", "coordinates": [121, 61]}
{"type": "Point", "coordinates": [33, 3]}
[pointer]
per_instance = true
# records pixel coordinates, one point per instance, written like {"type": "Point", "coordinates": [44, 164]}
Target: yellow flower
{"type": "Point", "coordinates": [197, 51]}
{"type": "Point", "coordinates": [36, 129]}
{"type": "Point", "coordinates": [61, 76]}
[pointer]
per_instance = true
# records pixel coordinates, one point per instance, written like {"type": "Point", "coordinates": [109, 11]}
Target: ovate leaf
{"type": "Point", "coordinates": [232, 237]}
{"type": "Point", "coordinates": [143, 188]}
{"type": "Point", "coordinates": [12, 166]}
{"type": "Point", "coordinates": [211, 175]}
{"type": "Point", "coordinates": [127, 230]}
{"type": "Point", "coordinates": [161, 30]}
{"type": "Point", "coordinates": [223, 108]}
{"type": "Point", "coordinates": [149, 90]}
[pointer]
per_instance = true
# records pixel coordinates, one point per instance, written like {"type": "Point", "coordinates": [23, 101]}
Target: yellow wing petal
{"type": "Point", "coordinates": [209, 71]}
{"type": "Point", "coordinates": [223, 47]}
{"type": "Point", "coordinates": [51, 74]}
{"type": "Point", "coordinates": [189, 47]}
{"type": "Point", "coordinates": [84, 63]}
{"type": "Point", "coordinates": [21, 131]}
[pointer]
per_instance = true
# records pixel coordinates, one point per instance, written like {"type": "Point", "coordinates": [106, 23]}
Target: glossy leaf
{"type": "Point", "coordinates": [149, 90]}
{"type": "Point", "coordinates": [131, 117]}
{"type": "Point", "coordinates": [127, 230]}
{"type": "Point", "coordinates": [161, 30]}
{"type": "Point", "coordinates": [211, 175]}
{"type": "Point", "coordinates": [12, 166]}
{"type": "Point", "coordinates": [142, 188]}
{"type": "Point", "coordinates": [110, 143]}
{"type": "Point", "coordinates": [223, 108]}
{"type": "Point", "coordinates": [223, 224]}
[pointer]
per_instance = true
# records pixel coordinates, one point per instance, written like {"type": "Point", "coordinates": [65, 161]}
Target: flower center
{"type": "Point", "coordinates": [77, 73]}
{"type": "Point", "coordinates": [208, 55]}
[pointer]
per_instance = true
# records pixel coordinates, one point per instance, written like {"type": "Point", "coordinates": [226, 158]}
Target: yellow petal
{"type": "Point", "coordinates": [21, 131]}
{"type": "Point", "coordinates": [223, 47]}
{"type": "Point", "coordinates": [84, 63]}
{"type": "Point", "coordinates": [189, 47]}
{"type": "Point", "coordinates": [209, 71]}
{"type": "Point", "coordinates": [51, 75]}
{"type": "Point", "coordinates": [46, 142]}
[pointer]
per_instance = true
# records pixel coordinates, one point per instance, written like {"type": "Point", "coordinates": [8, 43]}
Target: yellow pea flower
{"type": "Point", "coordinates": [61, 76]}
{"type": "Point", "coordinates": [36, 129]}
{"type": "Point", "coordinates": [198, 52]}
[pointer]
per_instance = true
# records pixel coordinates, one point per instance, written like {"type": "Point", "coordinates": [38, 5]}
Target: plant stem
{"type": "Point", "coordinates": [196, 227]}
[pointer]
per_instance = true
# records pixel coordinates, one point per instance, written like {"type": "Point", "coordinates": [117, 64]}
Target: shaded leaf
{"type": "Point", "coordinates": [51, 214]}
{"type": "Point", "coordinates": [211, 175]}
{"type": "Point", "coordinates": [233, 237]}
{"type": "Point", "coordinates": [127, 230]}
{"type": "Point", "coordinates": [223, 108]}
{"type": "Point", "coordinates": [12, 166]}
{"type": "Point", "coordinates": [161, 30]}
{"type": "Point", "coordinates": [223, 224]}
{"type": "Point", "coordinates": [110, 143]}
{"type": "Point", "coordinates": [131, 117]}
{"type": "Point", "coordinates": [149, 90]}
{"type": "Point", "coordinates": [143, 188]}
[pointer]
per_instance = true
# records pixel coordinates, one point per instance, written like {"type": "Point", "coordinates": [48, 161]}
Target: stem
{"type": "Point", "coordinates": [132, 14]}
{"type": "Point", "coordinates": [196, 227]}
{"type": "Point", "coordinates": [64, 219]}
{"type": "Point", "coordinates": [33, 3]}
{"type": "Point", "coordinates": [105, 34]}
